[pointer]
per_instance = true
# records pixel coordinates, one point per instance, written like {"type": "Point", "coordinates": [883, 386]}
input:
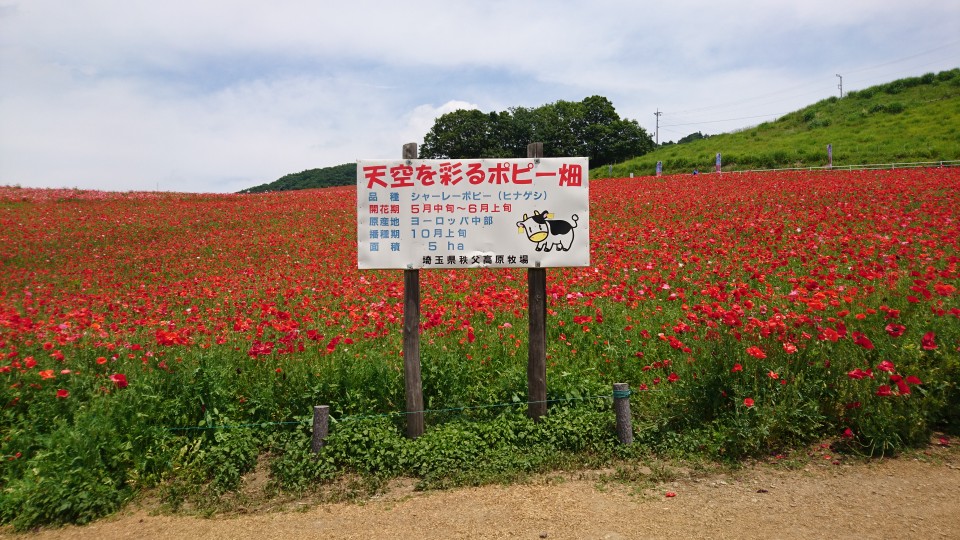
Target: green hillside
{"type": "Point", "coordinates": [338, 175]}
{"type": "Point", "coordinates": [908, 120]}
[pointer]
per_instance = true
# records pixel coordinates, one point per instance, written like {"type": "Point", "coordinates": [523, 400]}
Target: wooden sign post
{"type": "Point", "coordinates": [537, 310]}
{"type": "Point", "coordinates": [411, 338]}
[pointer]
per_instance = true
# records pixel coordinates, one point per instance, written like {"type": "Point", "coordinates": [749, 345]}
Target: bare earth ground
{"type": "Point", "coordinates": [916, 496]}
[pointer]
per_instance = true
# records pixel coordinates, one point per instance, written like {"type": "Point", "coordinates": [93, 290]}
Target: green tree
{"type": "Point", "coordinates": [461, 134]}
{"type": "Point", "coordinates": [590, 128]}
{"type": "Point", "coordinates": [692, 137]}
{"type": "Point", "coordinates": [619, 141]}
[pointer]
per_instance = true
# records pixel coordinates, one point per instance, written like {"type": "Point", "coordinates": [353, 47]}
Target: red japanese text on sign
{"type": "Point", "coordinates": [452, 173]}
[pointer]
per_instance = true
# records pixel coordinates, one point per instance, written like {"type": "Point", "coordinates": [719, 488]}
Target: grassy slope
{"type": "Point", "coordinates": [908, 120]}
{"type": "Point", "coordinates": [338, 175]}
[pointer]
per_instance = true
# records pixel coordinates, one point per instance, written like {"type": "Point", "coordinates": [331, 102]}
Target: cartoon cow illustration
{"type": "Point", "coordinates": [548, 233]}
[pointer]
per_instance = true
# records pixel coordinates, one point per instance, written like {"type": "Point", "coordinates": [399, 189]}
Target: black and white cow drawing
{"type": "Point", "coordinates": [548, 233]}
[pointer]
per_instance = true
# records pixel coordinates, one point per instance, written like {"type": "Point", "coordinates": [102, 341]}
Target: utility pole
{"type": "Point", "coordinates": [657, 114]}
{"type": "Point", "coordinates": [840, 86]}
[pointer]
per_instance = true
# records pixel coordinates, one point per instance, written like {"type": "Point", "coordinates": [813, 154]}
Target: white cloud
{"type": "Point", "coordinates": [422, 118]}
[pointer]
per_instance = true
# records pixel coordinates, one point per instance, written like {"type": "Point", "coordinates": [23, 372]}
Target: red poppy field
{"type": "Point", "coordinates": [168, 340]}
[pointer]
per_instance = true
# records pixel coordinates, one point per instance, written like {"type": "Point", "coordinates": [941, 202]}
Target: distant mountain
{"type": "Point", "coordinates": [338, 175]}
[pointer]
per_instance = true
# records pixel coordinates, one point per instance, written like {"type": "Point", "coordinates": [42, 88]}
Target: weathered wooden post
{"type": "Point", "coordinates": [621, 407]}
{"type": "Point", "coordinates": [537, 309]}
{"type": "Point", "coordinates": [411, 338]}
{"type": "Point", "coordinates": [321, 426]}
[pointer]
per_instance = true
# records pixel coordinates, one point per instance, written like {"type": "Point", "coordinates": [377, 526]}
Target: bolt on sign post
{"type": "Point", "coordinates": [442, 214]}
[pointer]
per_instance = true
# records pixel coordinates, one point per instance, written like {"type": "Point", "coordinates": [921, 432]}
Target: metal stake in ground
{"type": "Point", "coordinates": [321, 426]}
{"type": "Point", "coordinates": [621, 407]}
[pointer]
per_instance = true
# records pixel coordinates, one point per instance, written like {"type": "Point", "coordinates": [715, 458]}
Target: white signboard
{"type": "Point", "coordinates": [473, 213]}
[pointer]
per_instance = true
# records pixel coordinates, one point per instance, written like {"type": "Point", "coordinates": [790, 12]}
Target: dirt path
{"type": "Point", "coordinates": [912, 497]}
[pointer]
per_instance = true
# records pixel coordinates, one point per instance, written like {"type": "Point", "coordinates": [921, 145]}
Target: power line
{"type": "Point", "coordinates": [888, 76]}
{"type": "Point", "coordinates": [725, 120]}
{"type": "Point", "coordinates": [779, 95]}
{"type": "Point", "coordinates": [750, 100]}
{"type": "Point", "coordinates": [750, 104]}
{"type": "Point", "coordinates": [897, 61]}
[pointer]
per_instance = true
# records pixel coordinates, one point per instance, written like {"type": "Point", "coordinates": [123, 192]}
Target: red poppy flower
{"type": "Point", "coordinates": [756, 352]}
{"type": "Point", "coordinates": [119, 379]}
{"type": "Point", "coordinates": [944, 289]}
{"type": "Point", "coordinates": [736, 368]}
{"type": "Point", "coordinates": [862, 340]}
{"type": "Point", "coordinates": [895, 330]}
{"type": "Point", "coordinates": [847, 433]}
{"type": "Point", "coordinates": [748, 402]}
{"type": "Point", "coordinates": [47, 374]}
{"type": "Point", "coordinates": [884, 391]}
{"type": "Point", "coordinates": [63, 394]}
{"type": "Point", "coordinates": [673, 377]}
{"type": "Point", "coordinates": [773, 374]}
{"type": "Point", "coordinates": [789, 348]}
{"type": "Point", "coordinates": [829, 334]}
{"type": "Point", "coordinates": [886, 365]}
{"type": "Point", "coordinates": [29, 362]}
{"type": "Point", "coordinates": [928, 342]}
{"type": "Point", "coordinates": [101, 360]}
{"type": "Point", "coordinates": [913, 379]}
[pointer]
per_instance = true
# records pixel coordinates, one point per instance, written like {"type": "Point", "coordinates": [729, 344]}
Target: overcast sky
{"type": "Point", "coordinates": [221, 95]}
